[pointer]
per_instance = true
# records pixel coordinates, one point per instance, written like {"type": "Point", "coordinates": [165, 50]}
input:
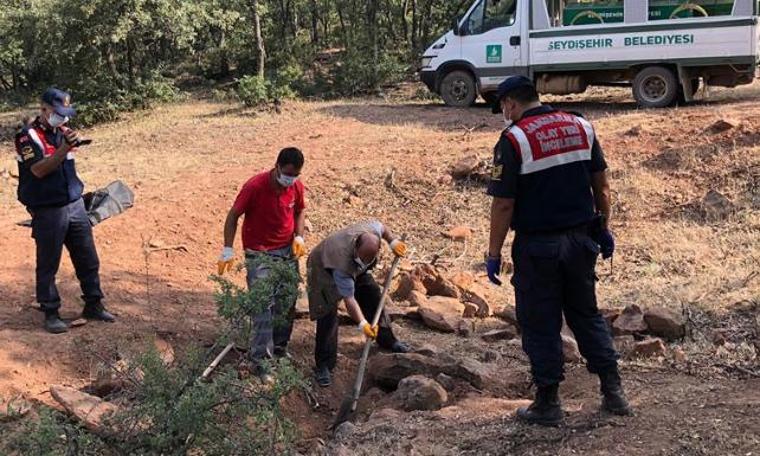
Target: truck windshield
{"type": "Point", "coordinates": [490, 14]}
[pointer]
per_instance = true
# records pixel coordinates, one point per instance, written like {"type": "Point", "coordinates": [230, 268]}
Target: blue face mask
{"type": "Point", "coordinates": [285, 181]}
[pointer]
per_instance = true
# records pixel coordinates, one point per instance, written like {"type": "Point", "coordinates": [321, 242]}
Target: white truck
{"type": "Point", "coordinates": [661, 48]}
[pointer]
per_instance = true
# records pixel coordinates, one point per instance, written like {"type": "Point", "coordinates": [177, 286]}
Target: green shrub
{"type": "Point", "coordinates": [253, 90]}
{"type": "Point", "coordinates": [357, 74]}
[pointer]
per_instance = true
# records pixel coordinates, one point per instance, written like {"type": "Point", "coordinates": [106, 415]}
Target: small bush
{"type": "Point", "coordinates": [52, 433]}
{"type": "Point", "coordinates": [357, 74]}
{"type": "Point", "coordinates": [253, 90]}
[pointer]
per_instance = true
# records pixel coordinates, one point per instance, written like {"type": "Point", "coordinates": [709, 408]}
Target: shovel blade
{"type": "Point", "coordinates": [345, 412]}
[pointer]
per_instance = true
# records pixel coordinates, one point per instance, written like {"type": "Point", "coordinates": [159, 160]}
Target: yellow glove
{"type": "Point", "coordinates": [399, 247]}
{"type": "Point", "coordinates": [369, 331]}
{"type": "Point", "coordinates": [298, 247]}
{"type": "Point", "coordinates": [225, 260]}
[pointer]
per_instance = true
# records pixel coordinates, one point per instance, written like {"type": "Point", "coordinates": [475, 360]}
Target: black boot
{"type": "Point", "coordinates": [96, 311]}
{"type": "Point", "coordinates": [545, 409]}
{"type": "Point", "coordinates": [613, 398]}
{"type": "Point", "coordinates": [400, 347]}
{"type": "Point", "coordinates": [322, 374]}
{"type": "Point", "coordinates": [54, 324]}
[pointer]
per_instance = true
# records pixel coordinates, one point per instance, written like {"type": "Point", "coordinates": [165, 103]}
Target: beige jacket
{"type": "Point", "coordinates": [336, 252]}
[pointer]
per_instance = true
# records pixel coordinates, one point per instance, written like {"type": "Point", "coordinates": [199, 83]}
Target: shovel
{"type": "Point", "coordinates": [348, 406]}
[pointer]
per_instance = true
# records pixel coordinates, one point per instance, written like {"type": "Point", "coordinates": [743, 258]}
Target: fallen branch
{"type": "Point", "coordinates": [216, 361]}
{"type": "Point", "coordinates": [741, 369]}
{"type": "Point", "coordinates": [178, 247]}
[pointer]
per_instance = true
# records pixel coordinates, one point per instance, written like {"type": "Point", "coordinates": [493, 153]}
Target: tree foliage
{"type": "Point", "coordinates": [125, 54]}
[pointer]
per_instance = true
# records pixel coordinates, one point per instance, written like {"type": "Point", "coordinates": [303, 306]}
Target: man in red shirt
{"type": "Point", "coordinates": [273, 205]}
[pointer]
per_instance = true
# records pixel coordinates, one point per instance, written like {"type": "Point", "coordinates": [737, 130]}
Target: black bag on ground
{"type": "Point", "coordinates": [108, 202]}
{"type": "Point", "coordinates": [104, 203]}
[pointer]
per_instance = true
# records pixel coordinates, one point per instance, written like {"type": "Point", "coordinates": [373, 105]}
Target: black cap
{"type": "Point", "coordinates": [506, 86]}
{"type": "Point", "coordinates": [60, 101]}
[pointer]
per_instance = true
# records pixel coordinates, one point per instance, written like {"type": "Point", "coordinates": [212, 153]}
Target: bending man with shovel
{"type": "Point", "coordinates": [339, 269]}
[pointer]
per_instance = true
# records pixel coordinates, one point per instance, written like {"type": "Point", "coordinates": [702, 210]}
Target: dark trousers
{"type": "Point", "coordinates": [273, 326]}
{"type": "Point", "coordinates": [367, 293]}
{"type": "Point", "coordinates": [53, 228]}
{"type": "Point", "coordinates": [554, 274]}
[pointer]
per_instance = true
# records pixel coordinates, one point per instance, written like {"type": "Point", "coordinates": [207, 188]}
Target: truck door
{"type": "Point", "coordinates": [492, 42]}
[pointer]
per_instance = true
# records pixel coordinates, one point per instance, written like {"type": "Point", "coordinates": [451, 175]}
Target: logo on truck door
{"type": "Point", "coordinates": [493, 53]}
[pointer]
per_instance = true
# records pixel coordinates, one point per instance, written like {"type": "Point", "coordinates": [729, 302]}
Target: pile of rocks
{"type": "Point", "coordinates": [643, 332]}
{"type": "Point", "coordinates": [443, 302]}
{"type": "Point", "coordinates": [423, 380]}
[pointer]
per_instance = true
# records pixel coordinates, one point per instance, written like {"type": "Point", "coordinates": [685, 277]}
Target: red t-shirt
{"type": "Point", "coordinates": [270, 212]}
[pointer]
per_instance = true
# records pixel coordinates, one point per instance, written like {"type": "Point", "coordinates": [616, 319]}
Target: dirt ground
{"type": "Point", "coordinates": [186, 162]}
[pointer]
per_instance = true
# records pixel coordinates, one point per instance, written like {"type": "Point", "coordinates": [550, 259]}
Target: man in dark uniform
{"type": "Point", "coordinates": [52, 192]}
{"type": "Point", "coordinates": [549, 184]}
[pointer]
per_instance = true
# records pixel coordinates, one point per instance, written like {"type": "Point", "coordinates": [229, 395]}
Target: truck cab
{"type": "Point", "coordinates": [663, 49]}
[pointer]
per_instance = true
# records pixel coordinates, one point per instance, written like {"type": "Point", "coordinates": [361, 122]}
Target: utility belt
{"type": "Point", "coordinates": [592, 228]}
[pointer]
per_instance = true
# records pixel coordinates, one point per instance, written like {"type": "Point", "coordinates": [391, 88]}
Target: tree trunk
{"type": "Point", "coordinates": [413, 41]}
{"type": "Point", "coordinates": [261, 54]}
{"type": "Point", "coordinates": [372, 28]}
{"type": "Point", "coordinates": [224, 61]}
{"type": "Point", "coordinates": [130, 64]}
{"type": "Point", "coordinates": [404, 22]}
{"type": "Point", "coordinates": [314, 22]}
{"type": "Point", "coordinates": [343, 31]}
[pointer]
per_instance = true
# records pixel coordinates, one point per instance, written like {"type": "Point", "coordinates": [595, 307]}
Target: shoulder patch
{"type": "Point", "coordinates": [27, 153]}
{"type": "Point", "coordinates": [496, 172]}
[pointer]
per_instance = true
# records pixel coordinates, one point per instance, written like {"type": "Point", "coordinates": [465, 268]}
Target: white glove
{"type": "Point", "coordinates": [225, 260]}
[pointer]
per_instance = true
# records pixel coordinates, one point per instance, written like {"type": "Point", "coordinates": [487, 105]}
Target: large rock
{"type": "Point", "coordinates": [464, 328]}
{"type": "Point", "coordinates": [418, 392]}
{"type": "Point", "coordinates": [388, 369]}
{"type": "Point", "coordinates": [483, 408]}
{"type": "Point", "coordinates": [570, 349]}
{"type": "Point", "coordinates": [508, 314]}
{"type": "Point", "coordinates": [92, 411]}
{"type": "Point", "coordinates": [473, 371]}
{"type": "Point", "coordinates": [441, 313]}
{"type": "Point", "coordinates": [441, 286]}
{"type": "Point", "coordinates": [470, 310]}
{"type": "Point", "coordinates": [652, 346]}
{"type": "Point", "coordinates": [722, 125]}
{"type": "Point", "coordinates": [458, 233]}
{"type": "Point", "coordinates": [630, 321]}
{"type": "Point", "coordinates": [407, 284]}
{"type": "Point", "coordinates": [610, 315]}
{"type": "Point", "coordinates": [417, 298]}
{"type": "Point", "coordinates": [495, 335]}
{"type": "Point", "coordinates": [665, 323]}
{"type": "Point", "coordinates": [624, 344]}
{"type": "Point", "coordinates": [435, 284]}
{"type": "Point", "coordinates": [717, 206]}
{"type": "Point", "coordinates": [396, 312]}
{"type": "Point", "coordinates": [463, 280]}
{"type": "Point", "coordinates": [476, 294]}
{"type": "Point", "coordinates": [465, 167]}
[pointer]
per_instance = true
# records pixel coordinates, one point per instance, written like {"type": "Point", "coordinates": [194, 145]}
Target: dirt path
{"type": "Point", "coordinates": [187, 161]}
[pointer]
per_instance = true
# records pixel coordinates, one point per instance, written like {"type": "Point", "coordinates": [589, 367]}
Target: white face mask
{"type": "Point", "coordinates": [55, 120]}
{"type": "Point", "coordinates": [285, 181]}
{"type": "Point", "coordinates": [361, 264]}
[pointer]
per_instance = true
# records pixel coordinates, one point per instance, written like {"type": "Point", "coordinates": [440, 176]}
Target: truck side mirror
{"type": "Point", "coordinates": [455, 26]}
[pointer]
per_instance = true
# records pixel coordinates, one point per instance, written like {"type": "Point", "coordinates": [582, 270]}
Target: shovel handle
{"type": "Point", "coordinates": [365, 353]}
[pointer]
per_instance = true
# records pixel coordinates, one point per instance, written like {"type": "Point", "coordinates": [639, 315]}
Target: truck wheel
{"type": "Point", "coordinates": [655, 87]}
{"type": "Point", "coordinates": [458, 89]}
